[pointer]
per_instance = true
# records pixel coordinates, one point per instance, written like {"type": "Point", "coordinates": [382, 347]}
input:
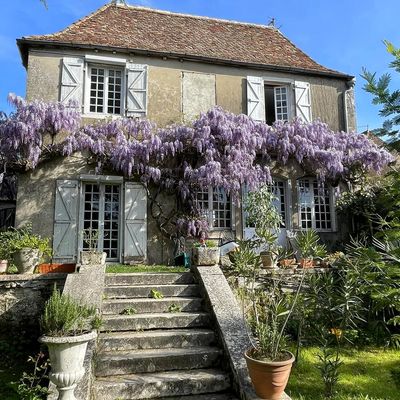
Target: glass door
{"type": "Point", "coordinates": [101, 216]}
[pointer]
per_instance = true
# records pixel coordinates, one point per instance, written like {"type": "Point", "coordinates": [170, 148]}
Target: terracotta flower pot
{"type": "Point", "coordinates": [269, 378]}
{"type": "Point", "coordinates": [307, 263]}
{"type": "Point", "coordinates": [287, 262]}
{"type": "Point", "coordinates": [56, 268]}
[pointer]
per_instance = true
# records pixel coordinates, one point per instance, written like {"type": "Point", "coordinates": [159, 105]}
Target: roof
{"type": "Point", "coordinates": [144, 30]}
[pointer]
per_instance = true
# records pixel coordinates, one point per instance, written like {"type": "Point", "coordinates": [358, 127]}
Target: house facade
{"type": "Point", "coordinates": [167, 67]}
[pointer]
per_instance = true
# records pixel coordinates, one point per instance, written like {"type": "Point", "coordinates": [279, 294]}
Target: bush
{"type": "Point", "coordinates": [63, 316]}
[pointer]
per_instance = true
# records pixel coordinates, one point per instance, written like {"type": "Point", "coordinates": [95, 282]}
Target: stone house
{"type": "Point", "coordinates": [168, 67]}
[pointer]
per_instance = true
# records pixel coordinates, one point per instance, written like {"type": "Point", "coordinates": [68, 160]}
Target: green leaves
{"type": "Point", "coordinates": [63, 316]}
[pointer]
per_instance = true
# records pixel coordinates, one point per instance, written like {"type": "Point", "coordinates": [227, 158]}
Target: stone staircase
{"type": "Point", "coordinates": [146, 351]}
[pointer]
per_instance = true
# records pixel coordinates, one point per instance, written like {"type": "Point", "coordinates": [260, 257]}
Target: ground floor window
{"type": "Point", "coordinates": [215, 205]}
{"type": "Point", "coordinates": [315, 205]}
{"type": "Point", "coordinates": [101, 215]}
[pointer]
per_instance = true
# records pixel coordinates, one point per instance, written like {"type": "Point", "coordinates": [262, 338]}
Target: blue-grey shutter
{"type": "Point", "coordinates": [136, 96]}
{"type": "Point", "coordinates": [256, 98]}
{"type": "Point", "coordinates": [72, 80]}
{"type": "Point", "coordinates": [135, 232]}
{"type": "Point", "coordinates": [66, 221]}
{"type": "Point", "coordinates": [303, 101]}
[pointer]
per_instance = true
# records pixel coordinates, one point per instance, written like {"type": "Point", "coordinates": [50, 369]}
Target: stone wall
{"type": "Point", "coordinates": [22, 299]}
{"type": "Point", "coordinates": [166, 89]}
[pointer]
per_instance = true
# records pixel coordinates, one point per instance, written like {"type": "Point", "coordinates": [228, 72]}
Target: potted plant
{"type": "Point", "coordinates": [268, 310]}
{"type": "Point", "coordinates": [5, 253]}
{"type": "Point", "coordinates": [309, 247]}
{"type": "Point", "coordinates": [286, 258]}
{"type": "Point", "coordinates": [262, 214]}
{"type": "Point", "coordinates": [67, 327]}
{"type": "Point", "coordinates": [25, 247]}
{"type": "Point", "coordinates": [92, 256]}
{"type": "Point", "coordinates": [206, 252]}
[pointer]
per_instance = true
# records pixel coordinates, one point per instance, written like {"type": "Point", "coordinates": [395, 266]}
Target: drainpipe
{"type": "Point", "coordinates": [350, 86]}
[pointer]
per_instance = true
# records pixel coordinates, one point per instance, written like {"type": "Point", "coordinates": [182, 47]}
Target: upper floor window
{"type": "Point", "coordinates": [105, 90]}
{"type": "Point", "coordinates": [215, 206]}
{"type": "Point", "coordinates": [104, 85]}
{"type": "Point", "coordinates": [276, 104]}
{"type": "Point", "coordinates": [315, 205]}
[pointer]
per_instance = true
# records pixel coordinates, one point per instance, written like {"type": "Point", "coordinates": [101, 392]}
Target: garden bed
{"type": "Point", "coordinates": [124, 269]}
{"type": "Point", "coordinates": [367, 374]}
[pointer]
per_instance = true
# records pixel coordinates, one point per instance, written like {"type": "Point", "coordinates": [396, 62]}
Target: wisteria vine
{"type": "Point", "coordinates": [220, 149]}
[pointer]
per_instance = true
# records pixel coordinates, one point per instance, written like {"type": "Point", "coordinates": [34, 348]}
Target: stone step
{"type": "Point", "coordinates": [180, 338]}
{"type": "Point", "coordinates": [124, 292]}
{"type": "Point", "coordinates": [155, 360]}
{"type": "Point", "coordinates": [149, 279]}
{"type": "Point", "coordinates": [146, 305]}
{"type": "Point", "coordinates": [164, 384]}
{"type": "Point", "coordinates": [140, 322]}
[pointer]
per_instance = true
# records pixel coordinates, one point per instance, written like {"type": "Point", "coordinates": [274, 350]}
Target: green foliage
{"type": "Point", "coordinates": [309, 246]}
{"type": "Point", "coordinates": [211, 243]}
{"type": "Point", "coordinates": [389, 100]}
{"type": "Point", "coordinates": [329, 367]}
{"type": "Point", "coordinates": [14, 239]}
{"type": "Point", "coordinates": [174, 308]}
{"type": "Point", "coordinates": [265, 306]}
{"type": "Point", "coordinates": [33, 386]}
{"type": "Point", "coordinates": [91, 239]}
{"type": "Point", "coordinates": [63, 316]}
{"type": "Point", "coordinates": [129, 311]}
{"type": "Point", "coordinates": [155, 294]}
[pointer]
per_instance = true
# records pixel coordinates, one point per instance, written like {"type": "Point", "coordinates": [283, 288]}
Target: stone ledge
{"type": "Point", "coordinates": [31, 277]}
{"type": "Point", "coordinates": [231, 326]}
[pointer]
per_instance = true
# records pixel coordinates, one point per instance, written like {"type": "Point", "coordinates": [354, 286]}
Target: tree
{"type": "Point", "coordinates": [389, 100]}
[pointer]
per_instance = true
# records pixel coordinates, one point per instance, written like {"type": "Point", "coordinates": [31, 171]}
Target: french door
{"type": "Point", "coordinates": [280, 191]}
{"type": "Point", "coordinates": [102, 217]}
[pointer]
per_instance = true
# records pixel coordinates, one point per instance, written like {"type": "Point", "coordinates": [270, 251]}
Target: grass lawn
{"type": "Point", "coordinates": [369, 374]}
{"type": "Point", "coordinates": [123, 269]}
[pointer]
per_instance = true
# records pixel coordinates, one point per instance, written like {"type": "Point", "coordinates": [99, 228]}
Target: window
{"type": "Point", "coordinates": [278, 189]}
{"type": "Point", "coordinates": [215, 206]}
{"type": "Point", "coordinates": [276, 103]}
{"type": "Point", "coordinates": [101, 213]}
{"type": "Point", "coordinates": [315, 205]}
{"type": "Point", "coordinates": [105, 90]}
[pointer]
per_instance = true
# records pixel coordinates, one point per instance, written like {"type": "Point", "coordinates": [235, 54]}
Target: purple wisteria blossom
{"type": "Point", "coordinates": [219, 149]}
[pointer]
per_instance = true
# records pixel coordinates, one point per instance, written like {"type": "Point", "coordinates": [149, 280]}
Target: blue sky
{"type": "Point", "coordinates": [342, 34]}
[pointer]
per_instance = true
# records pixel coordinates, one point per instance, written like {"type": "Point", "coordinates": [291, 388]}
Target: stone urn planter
{"type": "Point", "coordinates": [26, 260]}
{"type": "Point", "coordinates": [206, 255]}
{"type": "Point", "coordinates": [66, 357]}
{"type": "Point", "coordinates": [3, 266]}
{"type": "Point", "coordinates": [269, 378]}
{"type": "Point", "coordinates": [93, 258]}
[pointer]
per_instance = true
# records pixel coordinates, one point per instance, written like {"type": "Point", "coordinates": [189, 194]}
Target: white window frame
{"type": "Point", "coordinates": [87, 83]}
{"type": "Point", "coordinates": [101, 180]}
{"type": "Point", "coordinates": [208, 213]}
{"type": "Point", "coordinates": [287, 189]}
{"type": "Point", "coordinates": [312, 181]}
{"type": "Point", "coordinates": [283, 83]}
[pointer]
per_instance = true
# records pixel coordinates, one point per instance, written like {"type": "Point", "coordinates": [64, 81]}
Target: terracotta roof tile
{"type": "Point", "coordinates": [145, 29]}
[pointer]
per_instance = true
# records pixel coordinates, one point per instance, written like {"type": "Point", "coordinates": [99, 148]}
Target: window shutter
{"type": "Point", "coordinates": [135, 240]}
{"type": "Point", "coordinates": [255, 98]}
{"type": "Point", "coordinates": [65, 220]}
{"type": "Point", "coordinates": [303, 101]}
{"type": "Point", "coordinates": [72, 80]}
{"type": "Point", "coordinates": [136, 97]}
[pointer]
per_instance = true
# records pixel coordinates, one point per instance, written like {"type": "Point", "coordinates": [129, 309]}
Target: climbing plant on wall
{"type": "Point", "coordinates": [219, 149]}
